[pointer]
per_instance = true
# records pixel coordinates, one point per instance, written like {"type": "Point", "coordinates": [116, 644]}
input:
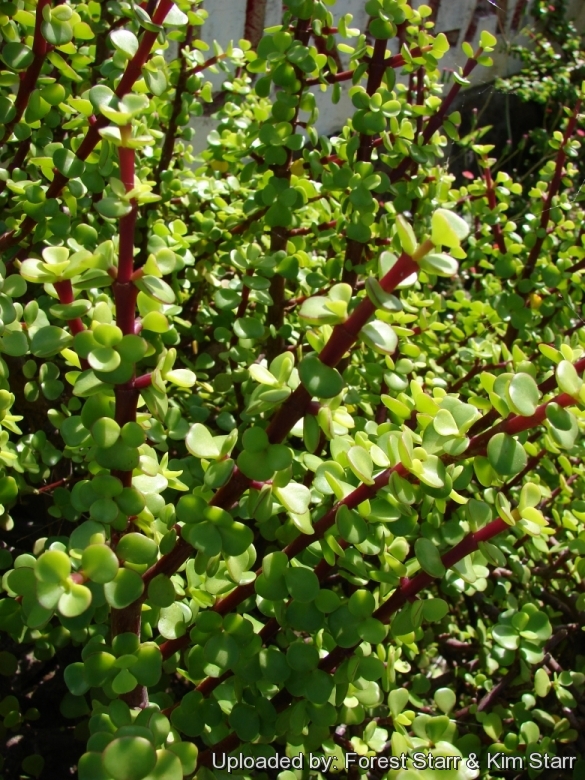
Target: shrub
{"type": "Point", "coordinates": [299, 420]}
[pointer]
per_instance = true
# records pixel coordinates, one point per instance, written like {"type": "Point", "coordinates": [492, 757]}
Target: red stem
{"type": "Point", "coordinates": [553, 189]}
{"type": "Point", "coordinates": [516, 424]}
{"type": "Point", "coordinates": [65, 293]}
{"type": "Point", "coordinates": [207, 64]}
{"type": "Point", "coordinates": [125, 293]}
{"type": "Point", "coordinates": [128, 222]}
{"type": "Point", "coordinates": [491, 196]}
{"type": "Point", "coordinates": [142, 382]}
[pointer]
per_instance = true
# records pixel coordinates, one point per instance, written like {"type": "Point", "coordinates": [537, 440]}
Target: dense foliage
{"type": "Point", "coordinates": [299, 421]}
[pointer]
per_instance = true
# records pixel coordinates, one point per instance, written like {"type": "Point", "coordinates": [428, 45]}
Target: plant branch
{"type": "Point", "coordinates": [92, 137]}
{"type": "Point", "coordinates": [40, 49]}
{"type": "Point", "coordinates": [436, 120]}
{"type": "Point", "coordinates": [553, 189]}
{"type": "Point", "coordinates": [408, 591]}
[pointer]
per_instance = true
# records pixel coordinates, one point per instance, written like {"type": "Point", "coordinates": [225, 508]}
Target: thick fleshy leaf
{"type": "Point", "coordinates": [506, 455]}
{"type": "Point", "coordinates": [568, 379]}
{"type": "Point", "coordinates": [156, 288]}
{"type": "Point", "coordinates": [448, 228]}
{"type": "Point", "coordinates": [523, 394]}
{"type": "Point", "coordinates": [302, 583]}
{"type": "Point", "coordinates": [53, 566]}
{"type": "Point", "coordinates": [429, 557]}
{"type": "Point", "coordinates": [129, 758]}
{"type": "Point", "coordinates": [201, 443]}
{"type": "Point", "coordinates": [99, 563]}
{"type": "Point", "coordinates": [294, 497]}
{"type": "Point", "coordinates": [75, 601]}
{"type": "Point", "coordinates": [50, 340]}
{"type": "Point", "coordinates": [124, 589]}
{"type": "Point", "coordinates": [125, 42]}
{"type": "Point", "coordinates": [361, 464]}
{"type": "Point", "coordinates": [319, 380]}
{"type": "Point", "coordinates": [380, 337]}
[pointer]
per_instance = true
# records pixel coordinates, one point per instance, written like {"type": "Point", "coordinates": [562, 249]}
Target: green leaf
{"type": "Point", "coordinates": [361, 464]}
{"type": "Point", "coordinates": [440, 264]}
{"type": "Point", "coordinates": [201, 443]}
{"type": "Point", "coordinates": [444, 423]}
{"type": "Point", "coordinates": [99, 563]}
{"type": "Point", "coordinates": [448, 228]}
{"type": "Point", "coordinates": [445, 699]}
{"type": "Point", "coordinates": [351, 525]}
{"type": "Point", "coordinates": [429, 558]}
{"type": "Point", "coordinates": [236, 538]}
{"type": "Point", "coordinates": [101, 95]}
{"type": "Point", "coordinates": [222, 652]}
{"type": "Point", "coordinates": [68, 163]}
{"type": "Point", "coordinates": [187, 754]}
{"type": "Point", "coordinates": [104, 359]}
{"type": "Point", "coordinates": [523, 395]}
{"type": "Point", "coordinates": [124, 41]}
{"type": "Point", "coordinates": [245, 722]}
{"type": "Point", "coordinates": [156, 80]}
{"type": "Point", "coordinates": [506, 636]}
{"type": "Point", "coordinates": [248, 328]}
{"type": "Point", "coordinates": [542, 684]}
{"type": "Point", "coordinates": [53, 566]}
{"type": "Point", "coordinates": [316, 311]}
{"type": "Point", "coordinates": [137, 548]}
{"type": "Point", "coordinates": [506, 455]}
{"type": "Point", "coordinates": [33, 765]}
{"type": "Point", "coordinates": [113, 208]}
{"type": "Point", "coordinates": [181, 377]}
{"type": "Point", "coordinates": [16, 55]}
{"type": "Point", "coordinates": [129, 758]}
{"type": "Point", "coordinates": [203, 536]}
{"type": "Point", "coordinates": [294, 497]}
{"type": "Point", "coordinates": [435, 609]}
{"type": "Point", "coordinates": [319, 380]}
{"type": "Point", "coordinates": [406, 235]}
{"type": "Point", "coordinates": [568, 379]}
{"type": "Point", "coordinates": [397, 701]}
{"type": "Point", "coordinates": [402, 622]}
{"type": "Point", "coordinates": [105, 432]}
{"type": "Point", "coordinates": [487, 40]}
{"type": "Point", "coordinates": [380, 337]}
{"type": "Point", "coordinates": [380, 298]}
{"type": "Point", "coordinates": [74, 676]}
{"type": "Point", "coordinates": [75, 601]}
{"type": "Point", "coordinates": [302, 583]}
{"type": "Point", "coordinates": [161, 591]}
{"type": "Point", "coordinates": [57, 32]}
{"type": "Point", "coordinates": [174, 620]}
{"type": "Point", "coordinates": [124, 589]}
{"type": "Point", "coordinates": [156, 288]}
{"type": "Point", "coordinates": [49, 341]}
{"type": "Point", "coordinates": [176, 17]}
{"type": "Point", "coordinates": [8, 491]}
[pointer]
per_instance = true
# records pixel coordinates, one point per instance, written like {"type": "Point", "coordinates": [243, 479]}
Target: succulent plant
{"type": "Point", "coordinates": [301, 415]}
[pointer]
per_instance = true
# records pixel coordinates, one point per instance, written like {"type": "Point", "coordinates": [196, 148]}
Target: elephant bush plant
{"type": "Point", "coordinates": [291, 449]}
